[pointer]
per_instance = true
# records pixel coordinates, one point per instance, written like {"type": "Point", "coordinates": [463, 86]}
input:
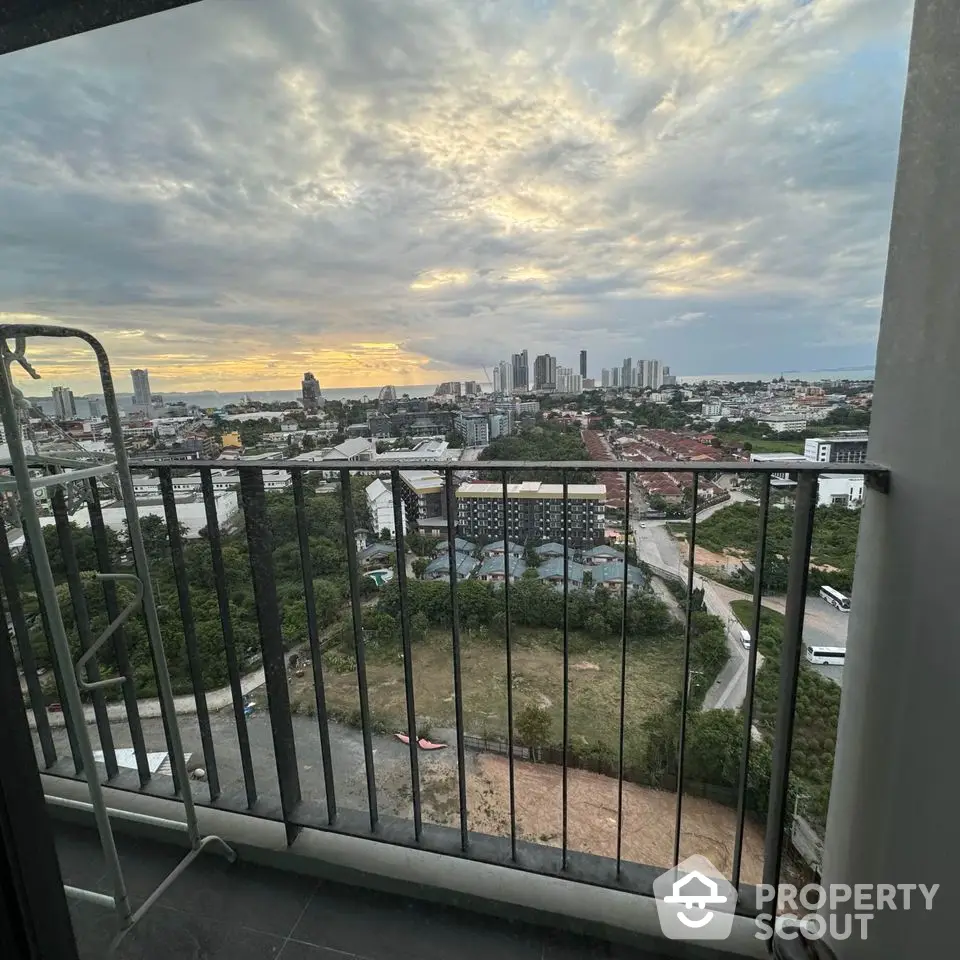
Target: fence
{"type": "Point", "coordinates": [278, 795]}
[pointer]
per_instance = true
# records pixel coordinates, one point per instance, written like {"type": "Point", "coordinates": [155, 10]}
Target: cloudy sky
{"type": "Point", "coordinates": [403, 190]}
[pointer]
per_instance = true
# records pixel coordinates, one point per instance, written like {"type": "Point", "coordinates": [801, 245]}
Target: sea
{"type": "Point", "coordinates": [213, 398]}
{"type": "Point", "coordinates": [865, 372]}
{"type": "Point", "coordinates": [206, 399]}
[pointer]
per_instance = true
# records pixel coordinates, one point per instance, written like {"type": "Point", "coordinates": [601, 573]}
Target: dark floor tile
{"type": "Point", "coordinates": [267, 900]}
{"type": "Point", "coordinates": [166, 934]}
{"type": "Point", "coordinates": [375, 926]}
{"type": "Point", "coordinates": [262, 899]}
{"type": "Point", "coordinates": [294, 950]}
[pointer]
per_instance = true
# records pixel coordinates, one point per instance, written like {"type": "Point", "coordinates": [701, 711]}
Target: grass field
{"type": "Point", "coordinates": [652, 677]}
{"type": "Point", "coordinates": [763, 446]}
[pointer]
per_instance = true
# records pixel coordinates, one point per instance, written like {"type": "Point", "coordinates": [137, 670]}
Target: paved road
{"type": "Point", "coordinates": [391, 760]}
{"type": "Point", "coordinates": [823, 624]}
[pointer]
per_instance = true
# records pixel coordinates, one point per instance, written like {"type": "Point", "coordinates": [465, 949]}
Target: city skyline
{"type": "Point", "coordinates": [230, 195]}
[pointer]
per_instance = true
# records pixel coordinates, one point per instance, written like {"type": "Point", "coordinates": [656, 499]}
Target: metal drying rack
{"type": "Point", "coordinates": [12, 403]}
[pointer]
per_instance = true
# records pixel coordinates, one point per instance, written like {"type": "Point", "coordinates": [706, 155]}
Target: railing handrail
{"type": "Point", "coordinates": [601, 466]}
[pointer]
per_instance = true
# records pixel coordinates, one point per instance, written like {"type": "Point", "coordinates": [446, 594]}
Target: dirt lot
{"type": "Point", "coordinates": [649, 816]}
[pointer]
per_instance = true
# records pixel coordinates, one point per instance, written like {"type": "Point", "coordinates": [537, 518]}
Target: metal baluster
{"type": "Point", "coordinates": [229, 642]}
{"type": "Point", "coordinates": [566, 663]}
{"type": "Point", "coordinates": [313, 633]}
{"type": "Point", "coordinates": [27, 660]}
{"type": "Point", "coordinates": [686, 668]}
{"type": "Point", "coordinates": [407, 651]}
{"type": "Point", "coordinates": [623, 669]}
{"type": "Point", "coordinates": [457, 675]}
{"type": "Point", "coordinates": [806, 505]}
{"type": "Point", "coordinates": [509, 644]}
{"type": "Point", "coordinates": [99, 531]}
{"type": "Point", "coordinates": [349, 531]}
{"type": "Point", "coordinates": [260, 550]}
{"type": "Point", "coordinates": [189, 631]}
{"type": "Point", "coordinates": [82, 619]}
{"type": "Point", "coordinates": [751, 678]}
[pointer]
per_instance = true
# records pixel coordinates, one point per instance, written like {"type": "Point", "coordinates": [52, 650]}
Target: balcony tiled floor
{"type": "Point", "coordinates": [217, 911]}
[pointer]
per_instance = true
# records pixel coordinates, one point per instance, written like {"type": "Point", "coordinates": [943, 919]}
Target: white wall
{"type": "Point", "coordinates": [840, 485]}
{"type": "Point", "coordinates": [191, 514]}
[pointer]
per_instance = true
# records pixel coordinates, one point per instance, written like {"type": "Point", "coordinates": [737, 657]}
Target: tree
{"type": "Point", "coordinates": [419, 625]}
{"type": "Point", "coordinates": [385, 534]}
{"type": "Point", "coordinates": [533, 727]}
{"type": "Point", "coordinates": [419, 566]}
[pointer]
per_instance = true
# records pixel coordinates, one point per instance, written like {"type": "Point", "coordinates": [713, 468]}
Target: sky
{"type": "Point", "coordinates": [403, 191]}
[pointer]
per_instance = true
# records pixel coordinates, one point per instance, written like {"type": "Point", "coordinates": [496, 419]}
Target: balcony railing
{"type": "Point", "coordinates": [270, 780]}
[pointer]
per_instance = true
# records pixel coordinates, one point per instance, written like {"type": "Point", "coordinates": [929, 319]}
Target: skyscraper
{"type": "Point", "coordinates": [310, 392]}
{"type": "Point", "coordinates": [96, 411]}
{"type": "Point", "coordinates": [141, 387]}
{"type": "Point", "coordinates": [506, 376]}
{"type": "Point", "coordinates": [64, 407]}
{"type": "Point", "coordinates": [583, 363]}
{"type": "Point", "coordinates": [626, 373]}
{"type": "Point", "coordinates": [545, 372]}
{"type": "Point", "coordinates": [615, 377]}
{"type": "Point", "coordinates": [640, 376]}
{"type": "Point", "coordinates": [520, 363]}
{"type": "Point", "coordinates": [604, 378]}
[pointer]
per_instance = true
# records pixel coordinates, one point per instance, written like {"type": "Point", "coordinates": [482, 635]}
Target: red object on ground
{"type": "Point", "coordinates": [402, 737]}
{"type": "Point", "coordinates": [425, 744]}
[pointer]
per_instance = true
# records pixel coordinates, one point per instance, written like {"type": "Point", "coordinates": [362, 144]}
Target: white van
{"type": "Point", "coordinates": [745, 638]}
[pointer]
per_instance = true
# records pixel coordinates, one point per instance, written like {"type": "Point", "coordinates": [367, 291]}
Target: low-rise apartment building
{"type": "Point", "coordinates": [534, 511]}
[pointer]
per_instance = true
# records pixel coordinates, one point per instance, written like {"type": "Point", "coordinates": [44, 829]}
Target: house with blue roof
{"type": "Point", "coordinates": [552, 572]}
{"type": "Point", "coordinates": [439, 567]}
{"type": "Point", "coordinates": [492, 570]}
{"type": "Point", "coordinates": [602, 554]}
{"type": "Point", "coordinates": [497, 549]}
{"type": "Point", "coordinates": [610, 576]}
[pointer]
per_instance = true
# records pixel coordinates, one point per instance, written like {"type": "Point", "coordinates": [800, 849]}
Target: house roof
{"type": "Point", "coordinates": [376, 550]}
{"type": "Point", "coordinates": [439, 567]}
{"type": "Point", "coordinates": [494, 565]}
{"type": "Point", "coordinates": [550, 550]}
{"type": "Point", "coordinates": [604, 550]}
{"type": "Point", "coordinates": [515, 548]}
{"type": "Point", "coordinates": [460, 545]}
{"type": "Point", "coordinates": [553, 569]}
{"type": "Point", "coordinates": [613, 573]}
{"type": "Point", "coordinates": [378, 489]}
{"type": "Point", "coordinates": [349, 449]}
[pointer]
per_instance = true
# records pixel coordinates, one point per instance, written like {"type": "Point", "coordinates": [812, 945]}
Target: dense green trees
{"type": "Point", "coordinates": [548, 440]}
{"type": "Point", "coordinates": [835, 530]}
{"type": "Point", "coordinates": [324, 516]}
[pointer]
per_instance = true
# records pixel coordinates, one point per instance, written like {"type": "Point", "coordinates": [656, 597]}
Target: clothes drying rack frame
{"type": "Point", "coordinates": [25, 482]}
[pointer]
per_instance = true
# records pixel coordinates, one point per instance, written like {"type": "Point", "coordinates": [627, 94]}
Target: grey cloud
{"type": "Point", "coordinates": [558, 173]}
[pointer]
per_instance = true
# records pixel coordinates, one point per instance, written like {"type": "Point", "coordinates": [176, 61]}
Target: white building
{"type": "Point", "coordinates": [840, 490]}
{"type": "Point", "coordinates": [849, 446]}
{"type": "Point", "coordinates": [605, 378]}
{"type": "Point", "coordinates": [191, 512]}
{"type": "Point", "coordinates": [568, 381]}
{"type": "Point", "coordinates": [474, 428]}
{"type": "Point", "coordinates": [784, 422]}
{"type": "Point", "coordinates": [380, 501]}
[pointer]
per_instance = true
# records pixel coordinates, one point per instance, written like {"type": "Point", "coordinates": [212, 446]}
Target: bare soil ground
{"type": "Point", "coordinates": [649, 816]}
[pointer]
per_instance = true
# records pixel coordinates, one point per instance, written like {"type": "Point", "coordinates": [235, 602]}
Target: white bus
{"type": "Point", "coordinates": [832, 655]}
{"type": "Point", "coordinates": [839, 600]}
